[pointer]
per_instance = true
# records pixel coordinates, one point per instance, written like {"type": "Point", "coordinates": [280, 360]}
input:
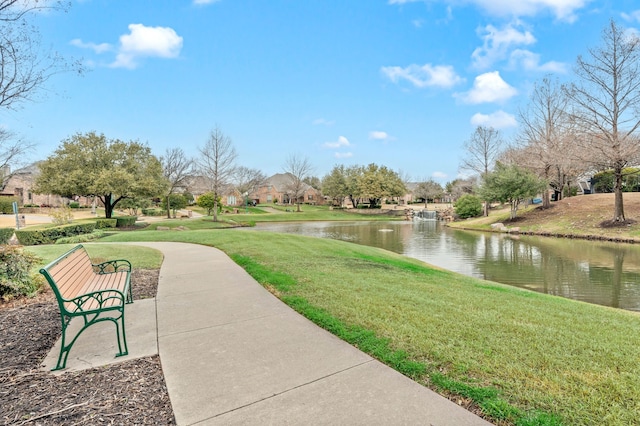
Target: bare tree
{"type": "Point", "coordinates": [176, 168]}
{"type": "Point", "coordinates": [217, 163]}
{"type": "Point", "coordinates": [24, 66]}
{"type": "Point", "coordinates": [544, 134]}
{"type": "Point", "coordinates": [248, 180]}
{"type": "Point", "coordinates": [12, 153]}
{"type": "Point", "coordinates": [298, 168]}
{"type": "Point", "coordinates": [483, 149]}
{"type": "Point", "coordinates": [606, 102]}
{"type": "Point", "coordinates": [428, 189]}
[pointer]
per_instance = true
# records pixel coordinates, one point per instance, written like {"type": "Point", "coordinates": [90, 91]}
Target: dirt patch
{"type": "Point", "coordinates": [132, 392]}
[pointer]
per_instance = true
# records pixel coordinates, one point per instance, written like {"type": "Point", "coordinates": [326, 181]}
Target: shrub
{"type": "Point", "coordinates": [83, 238]}
{"type": "Point", "coordinates": [6, 204]}
{"type": "Point", "coordinates": [125, 221]}
{"type": "Point", "coordinates": [106, 223]}
{"type": "Point", "coordinates": [74, 205]}
{"type": "Point", "coordinates": [32, 237]}
{"type": "Point", "coordinates": [153, 212]}
{"type": "Point", "coordinates": [15, 278]}
{"type": "Point", "coordinates": [61, 216]}
{"type": "Point", "coordinates": [5, 235]}
{"type": "Point", "coordinates": [468, 206]}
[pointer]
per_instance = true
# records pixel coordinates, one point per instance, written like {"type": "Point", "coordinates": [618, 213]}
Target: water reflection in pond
{"type": "Point", "coordinates": [595, 272]}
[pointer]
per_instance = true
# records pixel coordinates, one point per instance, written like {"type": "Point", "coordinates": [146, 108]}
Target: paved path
{"type": "Point", "coordinates": [232, 354]}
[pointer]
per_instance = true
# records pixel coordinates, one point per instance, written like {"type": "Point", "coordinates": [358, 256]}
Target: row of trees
{"type": "Point", "coordinates": [568, 130]}
{"type": "Point", "coordinates": [355, 183]}
{"type": "Point", "coordinates": [90, 165]}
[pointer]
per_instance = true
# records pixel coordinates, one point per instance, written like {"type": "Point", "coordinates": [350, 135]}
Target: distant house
{"type": "Point", "coordinates": [19, 184]}
{"type": "Point", "coordinates": [277, 188]}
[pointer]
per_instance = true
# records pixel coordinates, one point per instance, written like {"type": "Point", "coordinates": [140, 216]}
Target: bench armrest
{"type": "Point", "coordinates": [112, 266]}
{"type": "Point", "coordinates": [103, 298]}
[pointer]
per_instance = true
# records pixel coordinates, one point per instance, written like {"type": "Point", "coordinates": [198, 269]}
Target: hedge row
{"type": "Point", "coordinates": [5, 235]}
{"type": "Point", "coordinates": [6, 204]}
{"type": "Point", "coordinates": [28, 237]}
{"type": "Point", "coordinates": [106, 223]}
{"type": "Point", "coordinates": [125, 221]}
{"type": "Point", "coordinates": [153, 212]}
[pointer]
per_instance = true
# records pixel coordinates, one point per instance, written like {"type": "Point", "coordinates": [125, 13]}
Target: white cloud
{"type": "Point", "coordinates": [199, 2]}
{"type": "Point", "coordinates": [424, 75]}
{"type": "Point", "coordinates": [142, 41]}
{"type": "Point", "coordinates": [97, 48]}
{"type": "Point", "coordinates": [323, 122]}
{"type": "Point", "coordinates": [488, 87]}
{"type": "Point", "coordinates": [632, 16]}
{"type": "Point", "coordinates": [564, 10]}
{"type": "Point", "coordinates": [342, 141]}
{"type": "Point", "coordinates": [439, 175]}
{"type": "Point", "coordinates": [531, 62]}
{"type": "Point", "coordinates": [497, 120]}
{"type": "Point", "coordinates": [497, 42]}
{"type": "Point", "coordinates": [343, 154]}
{"type": "Point", "coordinates": [378, 135]}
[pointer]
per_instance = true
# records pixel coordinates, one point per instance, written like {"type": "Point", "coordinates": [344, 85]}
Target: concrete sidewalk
{"type": "Point", "coordinates": [232, 353]}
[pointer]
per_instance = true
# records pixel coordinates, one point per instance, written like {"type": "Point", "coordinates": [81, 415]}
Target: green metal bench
{"type": "Point", "coordinates": [96, 293]}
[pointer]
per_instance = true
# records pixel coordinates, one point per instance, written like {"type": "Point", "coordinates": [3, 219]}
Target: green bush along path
{"type": "Point", "coordinates": [524, 358]}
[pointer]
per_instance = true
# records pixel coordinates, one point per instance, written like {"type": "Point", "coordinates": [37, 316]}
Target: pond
{"type": "Point", "coordinates": [595, 272]}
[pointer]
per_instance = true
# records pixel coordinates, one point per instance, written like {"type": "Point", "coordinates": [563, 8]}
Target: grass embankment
{"type": "Point", "coordinates": [275, 214]}
{"type": "Point", "coordinates": [581, 216]}
{"type": "Point", "coordinates": [523, 357]}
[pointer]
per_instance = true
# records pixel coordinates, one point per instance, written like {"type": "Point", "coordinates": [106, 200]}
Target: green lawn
{"type": "Point", "coordinates": [140, 257]}
{"type": "Point", "coordinates": [524, 357]}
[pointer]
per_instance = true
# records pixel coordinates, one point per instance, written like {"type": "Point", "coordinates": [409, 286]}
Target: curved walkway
{"type": "Point", "coordinates": [232, 353]}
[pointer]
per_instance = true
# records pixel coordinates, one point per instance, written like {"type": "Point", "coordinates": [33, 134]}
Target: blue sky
{"type": "Point", "coordinates": [400, 83]}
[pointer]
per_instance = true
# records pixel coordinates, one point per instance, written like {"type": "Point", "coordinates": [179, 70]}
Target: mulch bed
{"type": "Point", "coordinates": [132, 392]}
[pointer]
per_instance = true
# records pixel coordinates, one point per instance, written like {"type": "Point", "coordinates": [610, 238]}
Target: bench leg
{"type": "Point", "coordinates": [66, 348]}
{"type": "Point", "coordinates": [122, 336]}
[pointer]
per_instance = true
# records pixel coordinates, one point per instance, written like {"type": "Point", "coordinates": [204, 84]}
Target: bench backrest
{"type": "Point", "coordinates": [69, 273]}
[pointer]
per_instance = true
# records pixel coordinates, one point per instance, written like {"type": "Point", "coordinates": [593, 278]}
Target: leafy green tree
{"type": "Point", "coordinates": [510, 184]}
{"type": "Point", "coordinates": [605, 181]}
{"type": "Point", "coordinates": [379, 182]}
{"type": "Point", "coordinates": [176, 201]}
{"type": "Point", "coordinates": [334, 184]}
{"type": "Point", "coordinates": [209, 202]}
{"type": "Point", "coordinates": [468, 206]}
{"type": "Point", "coordinates": [133, 204]}
{"type": "Point", "coordinates": [92, 165]}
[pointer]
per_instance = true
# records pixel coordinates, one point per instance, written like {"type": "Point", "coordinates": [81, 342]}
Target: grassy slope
{"type": "Point", "coordinates": [573, 361]}
{"type": "Point", "coordinates": [573, 216]}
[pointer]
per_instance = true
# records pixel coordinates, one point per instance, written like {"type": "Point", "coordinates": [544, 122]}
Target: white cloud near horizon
{"type": "Point", "coordinates": [343, 154]}
{"type": "Point", "coordinates": [439, 175]}
{"type": "Point", "coordinates": [427, 75]}
{"type": "Point", "coordinates": [341, 142]}
{"type": "Point", "coordinates": [497, 120]}
{"type": "Point", "coordinates": [563, 10]}
{"type": "Point", "coordinates": [496, 44]}
{"type": "Point", "coordinates": [488, 87]}
{"type": "Point", "coordinates": [146, 42]}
